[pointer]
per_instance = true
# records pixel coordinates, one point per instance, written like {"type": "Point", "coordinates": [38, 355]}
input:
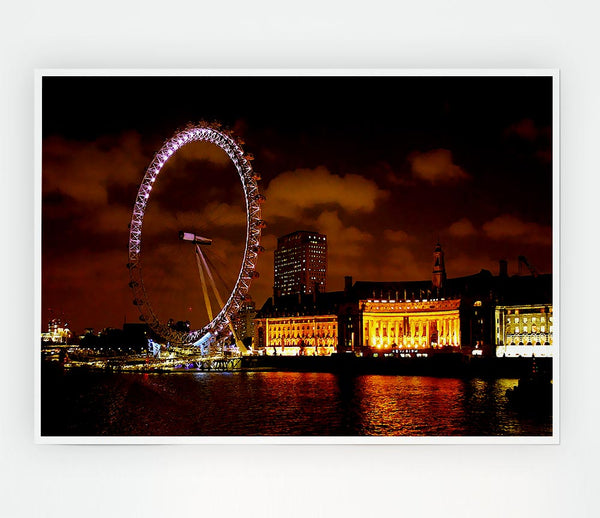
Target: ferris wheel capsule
{"type": "Point", "coordinates": [194, 238]}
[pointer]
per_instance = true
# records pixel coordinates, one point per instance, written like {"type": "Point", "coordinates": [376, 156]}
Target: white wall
{"type": "Point", "coordinates": [461, 481]}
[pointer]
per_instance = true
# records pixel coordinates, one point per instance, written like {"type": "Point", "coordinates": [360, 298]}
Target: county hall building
{"type": "Point", "coordinates": [406, 318]}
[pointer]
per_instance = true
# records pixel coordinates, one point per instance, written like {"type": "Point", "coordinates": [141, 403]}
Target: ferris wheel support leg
{"type": "Point", "coordinates": [203, 282]}
{"type": "Point", "coordinates": [240, 345]}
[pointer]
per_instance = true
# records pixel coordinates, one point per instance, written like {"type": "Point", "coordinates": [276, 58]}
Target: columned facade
{"type": "Point", "coordinates": [410, 324]}
{"type": "Point", "coordinates": [313, 335]}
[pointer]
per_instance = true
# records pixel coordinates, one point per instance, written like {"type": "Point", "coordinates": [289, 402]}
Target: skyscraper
{"type": "Point", "coordinates": [300, 263]}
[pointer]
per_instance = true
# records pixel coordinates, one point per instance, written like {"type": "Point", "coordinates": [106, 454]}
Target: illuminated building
{"type": "Point", "coordinates": [57, 333]}
{"type": "Point", "coordinates": [376, 326]}
{"type": "Point", "coordinates": [403, 317]}
{"type": "Point", "coordinates": [390, 324]}
{"type": "Point", "coordinates": [298, 325]}
{"type": "Point", "coordinates": [524, 330]}
{"type": "Point", "coordinates": [311, 335]}
{"type": "Point", "coordinates": [300, 264]}
{"type": "Point", "coordinates": [413, 318]}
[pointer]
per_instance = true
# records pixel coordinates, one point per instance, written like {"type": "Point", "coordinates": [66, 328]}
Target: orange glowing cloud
{"type": "Point", "coordinates": [262, 287]}
{"type": "Point", "coordinates": [351, 252]}
{"type": "Point", "coordinates": [397, 236]}
{"type": "Point", "coordinates": [87, 171]}
{"type": "Point", "coordinates": [291, 192]}
{"type": "Point", "coordinates": [436, 166]}
{"type": "Point", "coordinates": [400, 264]}
{"type": "Point", "coordinates": [460, 263]}
{"type": "Point", "coordinates": [342, 241]}
{"type": "Point", "coordinates": [462, 228]}
{"type": "Point", "coordinates": [84, 170]}
{"type": "Point", "coordinates": [85, 283]}
{"type": "Point", "coordinates": [213, 215]}
{"type": "Point", "coordinates": [510, 227]}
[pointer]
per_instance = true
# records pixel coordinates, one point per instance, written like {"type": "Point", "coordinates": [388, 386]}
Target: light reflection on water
{"type": "Point", "coordinates": [280, 403]}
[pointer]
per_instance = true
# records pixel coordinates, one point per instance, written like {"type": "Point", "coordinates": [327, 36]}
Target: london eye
{"type": "Point", "coordinates": [221, 318]}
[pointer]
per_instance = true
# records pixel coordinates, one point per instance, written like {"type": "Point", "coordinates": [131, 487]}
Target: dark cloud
{"type": "Point", "coordinates": [525, 129]}
{"type": "Point", "coordinates": [539, 138]}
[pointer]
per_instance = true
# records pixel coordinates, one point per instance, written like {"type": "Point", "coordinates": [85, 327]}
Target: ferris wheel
{"type": "Point", "coordinates": [221, 320]}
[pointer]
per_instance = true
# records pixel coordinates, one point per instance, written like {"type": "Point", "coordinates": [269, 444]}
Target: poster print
{"type": "Point", "coordinates": [297, 256]}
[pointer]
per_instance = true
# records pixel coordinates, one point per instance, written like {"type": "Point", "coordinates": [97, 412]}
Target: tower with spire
{"type": "Point", "coordinates": [439, 269]}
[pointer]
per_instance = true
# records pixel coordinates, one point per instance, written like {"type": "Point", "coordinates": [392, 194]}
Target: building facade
{"type": "Point", "coordinates": [524, 330]}
{"type": "Point", "coordinates": [305, 335]}
{"type": "Point", "coordinates": [410, 324]}
{"type": "Point", "coordinates": [481, 314]}
{"type": "Point", "coordinates": [363, 327]}
{"type": "Point", "coordinates": [300, 264]}
{"type": "Point", "coordinates": [401, 327]}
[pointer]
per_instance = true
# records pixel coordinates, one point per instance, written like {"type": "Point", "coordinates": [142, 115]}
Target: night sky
{"type": "Point", "coordinates": [384, 166]}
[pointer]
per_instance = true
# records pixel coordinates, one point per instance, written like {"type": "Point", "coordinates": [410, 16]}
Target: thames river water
{"type": "Point", "coordinates": [79, 403]}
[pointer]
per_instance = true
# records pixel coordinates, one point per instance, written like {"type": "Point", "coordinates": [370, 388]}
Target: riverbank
{"type": "Point", "coordinates": [442, 365]}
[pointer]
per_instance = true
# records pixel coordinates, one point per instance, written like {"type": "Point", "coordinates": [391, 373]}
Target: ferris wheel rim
{"type": "Point", "coordinates": [225, 140]}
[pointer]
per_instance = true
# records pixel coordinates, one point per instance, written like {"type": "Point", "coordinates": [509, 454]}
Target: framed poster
{"type": "Point", "coordinates": [297, 256]}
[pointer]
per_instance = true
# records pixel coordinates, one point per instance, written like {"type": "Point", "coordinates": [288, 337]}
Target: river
{"type": "Point", "coordinates": [81, 403]}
